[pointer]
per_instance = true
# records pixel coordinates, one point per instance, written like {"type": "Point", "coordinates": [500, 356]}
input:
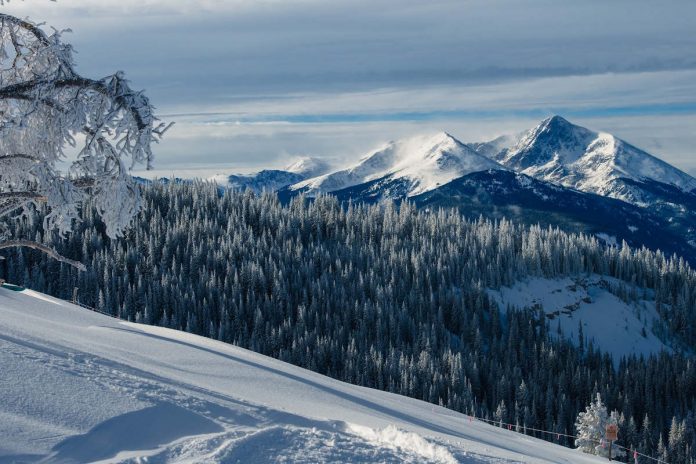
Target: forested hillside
{"type": "Point", "coordinates": [387, 297]}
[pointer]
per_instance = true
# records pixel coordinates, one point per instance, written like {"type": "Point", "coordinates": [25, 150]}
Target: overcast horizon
{"type": "Point", "coordinates": [252, 85]}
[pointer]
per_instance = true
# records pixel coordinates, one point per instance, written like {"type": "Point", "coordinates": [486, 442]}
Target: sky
{"type": "Point", "coordinates": [257, 84]}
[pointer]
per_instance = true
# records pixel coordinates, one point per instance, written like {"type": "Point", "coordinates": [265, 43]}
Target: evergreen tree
{"type": "Point", "coordinates": [591, 430]}
{"type": "Point", "coordinates": [385, 296]}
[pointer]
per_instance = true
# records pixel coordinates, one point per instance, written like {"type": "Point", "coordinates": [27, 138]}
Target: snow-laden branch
{"type": "Point", "coordinates": [26, 25]}
{"type": "Point", "coordinates": [20, 196]}
{"type": "Point", "coordinates": [46, 109]}
{"type": "Point", "coordinates": [44, 249]}
{"type": "Point", "coordinates": [114, 87]}
{"type": "Point", "coordinates": [17, 156]}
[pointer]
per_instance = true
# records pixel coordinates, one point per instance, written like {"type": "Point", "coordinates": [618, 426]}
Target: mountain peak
{"type": "Point", "coordinates": [554, 141]}
{"type": "Point", "coordinates": [423, 162]}
{"type": "Point", "coordinates": [561, 152]}
{"type": "Point", "coordinates": [443, 135]}
{"type": "Point", "coordinates": [556, 121]}
{"type": "Point", "coordinates": [559, 129]}
{"type": "Point", "coordinates": [433, 140]}
{"type": "Point", "coordinates": [309, 166]}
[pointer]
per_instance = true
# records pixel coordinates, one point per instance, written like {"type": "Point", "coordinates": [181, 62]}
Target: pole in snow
{"type": "Point", "coordinates": [611, 434]}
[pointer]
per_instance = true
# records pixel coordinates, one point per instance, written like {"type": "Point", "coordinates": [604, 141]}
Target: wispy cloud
{"type": "Point", "coordinates": [372, 68]}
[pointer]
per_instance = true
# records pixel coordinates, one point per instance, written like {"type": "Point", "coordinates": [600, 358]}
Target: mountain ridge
{"type": "Point", "coordinates": [424, 162]}
{"type": "Point", "coordinates": [570, 155]}
{"type": "Point", "coordinates": [564, 175]}
{"type": "Point", "coordinates": [627, 194]}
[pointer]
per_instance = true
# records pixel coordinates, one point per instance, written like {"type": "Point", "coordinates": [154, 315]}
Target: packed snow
{"type": "Point", "coordinates": [425, 161]}
{"type": "Point", "coordinates": [613, 325]}
{"type": "Point", "coordinates": [78, 386]}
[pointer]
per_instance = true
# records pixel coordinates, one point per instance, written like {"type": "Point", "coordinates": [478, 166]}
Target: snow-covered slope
{"type": "Point", "coordinates": [309, 166]}
{"type": "Point", "coordinates": [563, 153]}
{"type": "Point", "coordinates": [77, 386]}
{"type": "Point", "coordinates": [274, 179]}
{"type": "Point", "coordinates": [495, 146]}
{"type": "Point", "coordinates": [268, 179]}
{"type": "Point", "coordinates": [423, 162]}
{"type": "Point", "coordinates": [613, 325]}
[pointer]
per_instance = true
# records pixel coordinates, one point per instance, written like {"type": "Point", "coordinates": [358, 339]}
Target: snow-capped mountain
{"type": "Point", "coordinates": [627, 194]}
{"type": "Point", "coordinates": [557, 174]}
{"type": "Point", "coordinates": [560, 152]}
{"type": "Point", "coordinates": [496, 194]}
{"type": "Point", "coordinates": [83, 387]}
{"type": "Point", "coordinates": [268, 179]}
{"type": "Point", "coordinates": [419, 164]}
{"type": "Point", "coordinates": [309, 166]}
{"type": "Point", "coordinates": [495, 146]}
{"type": "Point", "coordinates": [568, 155]}
{"type": "Point", "coordinates": [274, 179]}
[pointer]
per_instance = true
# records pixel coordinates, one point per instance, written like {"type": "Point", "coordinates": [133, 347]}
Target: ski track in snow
{"type": "Point", "coordinates": [77, 386]}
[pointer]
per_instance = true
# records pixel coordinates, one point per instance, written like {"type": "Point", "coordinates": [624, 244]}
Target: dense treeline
{"type": "Point", "coordinates": [387, 297]}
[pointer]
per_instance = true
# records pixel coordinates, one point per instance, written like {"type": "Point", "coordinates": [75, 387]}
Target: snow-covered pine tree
{"type": "Point", "coordinates": [372, 301]}
{"type": "Point", "coordinates": [591, 430]}
{"type": "Point", "coordinates": [590, 426]}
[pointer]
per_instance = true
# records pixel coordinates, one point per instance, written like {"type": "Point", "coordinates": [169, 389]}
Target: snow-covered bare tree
{"type": "Point", "coordinates": [65, 137]}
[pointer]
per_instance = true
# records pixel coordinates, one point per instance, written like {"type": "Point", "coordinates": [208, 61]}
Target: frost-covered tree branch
{"type": "Point", "coordinates": [65, 137]}
{"type": "Point", "coordinates": [43, 248]}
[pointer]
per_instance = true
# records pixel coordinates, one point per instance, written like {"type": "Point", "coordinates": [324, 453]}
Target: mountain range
{"type": "Point", "coordinates": [273, 179]}
{"type": "Point", "coordinates": [555, 174]}
{"type": "Point", "coordinates": [419, 163]}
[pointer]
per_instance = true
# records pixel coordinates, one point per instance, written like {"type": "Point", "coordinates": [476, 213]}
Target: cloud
{"type": "Point", "coordinates": [379, 68]}
{"type": "Point", "coordinates": [214, 51]}
{"type": "Point", "coordinates": [249, 147]}
{"type": "Point", "coordinates": [656, 92]}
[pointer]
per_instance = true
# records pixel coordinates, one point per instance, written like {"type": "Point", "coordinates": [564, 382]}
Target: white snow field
{"type": "Point", "coordinates": [77, 386]}
{"type": "Point", "coordinates": [615, 326]}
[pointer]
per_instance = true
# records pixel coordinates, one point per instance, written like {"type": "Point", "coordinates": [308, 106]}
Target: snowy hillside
{"type": "Point", "coordinates": [423, 162]}
{"type": "Point", "coordinates": [78, 386]}
{"type": "Point", "coordinates": [268, 179]}
{"type": "Point", "coordinates": [616, 327]}
{"type": "Point", "coordinates": [309, 166]}
{"type": "Point", "coordinates": [563, 153]}
{"type": "Point", "coordinates": [495, 146]}
{"type": "Point", "coordinates": [274, 179]}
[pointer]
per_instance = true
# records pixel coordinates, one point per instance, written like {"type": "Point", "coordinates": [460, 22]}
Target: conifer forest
{"type": "Point", "coordinates": [389, 297]}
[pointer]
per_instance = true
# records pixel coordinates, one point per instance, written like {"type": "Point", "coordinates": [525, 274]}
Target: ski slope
{"type": "Point", "coordinates": [77, 386]}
